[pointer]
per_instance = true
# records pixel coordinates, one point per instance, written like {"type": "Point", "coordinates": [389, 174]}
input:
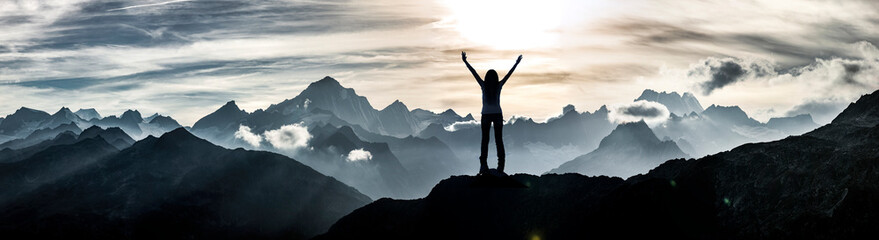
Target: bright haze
{"type": "Point", "coordinates": [186, 58]}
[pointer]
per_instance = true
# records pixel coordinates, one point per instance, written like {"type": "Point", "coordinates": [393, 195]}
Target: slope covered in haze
{"type": "Point", "coordinates": [325, 110]}
{"type": "Point", "coordinates": [175, 186]}
{"type": "Point", "coordinates": [816, 186]}
{"type": "Point", "coordinates": [630, 149]}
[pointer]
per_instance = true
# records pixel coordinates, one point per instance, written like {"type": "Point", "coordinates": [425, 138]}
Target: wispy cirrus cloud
{"type": "Point", "coordinates": [184, 58]}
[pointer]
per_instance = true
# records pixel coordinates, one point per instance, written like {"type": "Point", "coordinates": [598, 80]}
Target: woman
{"type": "Point", "coordinates": [491, 112]}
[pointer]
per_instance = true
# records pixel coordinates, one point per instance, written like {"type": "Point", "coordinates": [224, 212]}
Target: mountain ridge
{"type": "Point", "coordinates": [814, 186]}
{"type": "Point", "coordinates": [631, 148]}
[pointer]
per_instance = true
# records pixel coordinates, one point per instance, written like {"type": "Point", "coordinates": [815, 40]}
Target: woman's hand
{"type": "Point", "coordinates": [517, 60]}
{"type": "Point", "coordinates": [464, 56]}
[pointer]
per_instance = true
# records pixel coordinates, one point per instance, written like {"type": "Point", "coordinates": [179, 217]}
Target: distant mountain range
{"type": "Point", "coordinates": [81, 175]}
{"type": "Point", "coordinates": [323, 106]}
{"type": "Point", "coordinates": [413, 149]}
{"type": "Point", "coordinates": [818, 185]}
{"type": "Point", "coordinates": [677, 104]}
{"type": "Point", "coordinates": [26, 121]}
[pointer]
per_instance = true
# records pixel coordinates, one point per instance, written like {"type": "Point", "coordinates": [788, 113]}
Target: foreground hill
{"type": "Point", "coordinates": [173, 187]}
{"type": "Point", "coordinates": [823, 184]}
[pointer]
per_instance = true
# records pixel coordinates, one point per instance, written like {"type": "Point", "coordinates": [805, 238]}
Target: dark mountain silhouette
{"type": "Point", "coordinates": [179, 186]}
{"type": "Point", "coordinates": [49, 165]}
{"type": "Point", "coordinates": [8, 155]}
{"type": "Point", "coordinates": [677, 104]}
{"type": "Point", "coordinates": [226, 117]}
{"type": "Point", "coordinates": [818, 185]}
{"type": "Point", "coordinates": [88, 114]}
{"type": "Point", "coordinates": [630, 149]}
{"type": "Point", "coordinates": [41, 135]}
{"type": "Point", "coordinates": [23, 117]}
{"type": "Point", "coordinates": [863, 113]}
{"type": "Point", "coordinates": [463, 207]}
{"type": "Point", "coordinates": [165, 123]}
{"type": "Point", "coordinates": [114, 136]}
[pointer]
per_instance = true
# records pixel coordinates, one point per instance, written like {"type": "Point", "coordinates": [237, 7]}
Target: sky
{"type": "Point", "coordinates": [185, 59]}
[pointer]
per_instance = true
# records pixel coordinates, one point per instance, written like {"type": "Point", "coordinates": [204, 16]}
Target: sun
{"type": "Point", "coordinates": [507, 24]}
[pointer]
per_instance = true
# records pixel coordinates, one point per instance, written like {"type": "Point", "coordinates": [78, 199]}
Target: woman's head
{"type": "Point", "coordinates": [491, 77]}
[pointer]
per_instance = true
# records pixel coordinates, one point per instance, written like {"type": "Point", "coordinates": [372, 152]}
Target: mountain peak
{"type": "Point", "coordinates": [28, 110]}
{"type": "Point", "coordinates": [132, 115]}
{"type": "Point", "coordinates": [450, 112]}
{"type": "Point", "coordinates": [88, 114]}
{"type": "Point", "coordinates": [164, 122]}
{"type": "Point", "coordinates": [327, 88]}
{"type": "Point", "coordinates": [328, 79]}
{"type": "Point", "coordinates": [864, 112]}
{"type": "Point", "coordinates": [326, 82]}
{"type": "Point", "coordinates": [178, 135]}
{"type": "Point", "coordinates": [396, 105]}
{"type": "Point", "coordinates": [63, 110]}
{"type": "Point", "coordinates": [226, 116]}
{"type": "Point", "coordinates": [730, 115]}
{"type": "Point", "coordinates": [569, 108]}
{"type": "Point", "coordinates": [628, 133]}
{"type": "Point", "coordinates": [230, 105]}
{"type": "Point", "coordinates": [13, 122]}
{"type": "Point", "coordinates": [93, 128]}
{"type": "Point", "coordinates": [675, 103]}
{"type": "Point", "coordinates": [66, 114]}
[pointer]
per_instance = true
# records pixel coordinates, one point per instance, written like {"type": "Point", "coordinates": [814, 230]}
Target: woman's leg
{"type": "Point", "coordinates": [498, 122]}
{"type": "Point", "coordinates": [483, 147]}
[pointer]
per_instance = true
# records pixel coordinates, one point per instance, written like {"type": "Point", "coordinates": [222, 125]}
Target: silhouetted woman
{"type": "Point", "coordinates": [491, 112]}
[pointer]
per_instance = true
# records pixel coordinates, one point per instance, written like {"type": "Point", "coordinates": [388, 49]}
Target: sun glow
{"type": "Point", "coordinates": [507, 24]}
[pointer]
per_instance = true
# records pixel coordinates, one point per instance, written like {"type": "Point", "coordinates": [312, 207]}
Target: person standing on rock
{"type": "Point", "coordinates": [491, 112]}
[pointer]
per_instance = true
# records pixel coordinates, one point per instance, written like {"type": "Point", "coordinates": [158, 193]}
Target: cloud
{"type": "Point", "coordinates": [289, 137]}
{"type": "Point", "coordinates": [249, 137]}
{"type": "Point", "coordinates": [461, 125]}
{"type": "Point", "coordinates": [358, 155]}
{"type": "Point", "coordinates": [717, 73]}
{"type": "Point", "coordinates": [650, 112]}
{"type": "Point", "coordinates": [147, 5]}
{"type": "Point", "coordinates": [182, 57]}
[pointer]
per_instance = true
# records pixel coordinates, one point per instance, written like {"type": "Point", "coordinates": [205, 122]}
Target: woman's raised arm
{"type": "Point", "coordinates": [511, 70]}
{"type": "Point", "coordinates": [472, 71]}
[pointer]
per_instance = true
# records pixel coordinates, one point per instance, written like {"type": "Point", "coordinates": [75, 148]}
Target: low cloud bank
{"type": "Point", "coordinates": [358, 155]}
{"type": "Point", "coordinates": [287, 137]}
{"type": "Point", "coordinates": [651, 112]}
